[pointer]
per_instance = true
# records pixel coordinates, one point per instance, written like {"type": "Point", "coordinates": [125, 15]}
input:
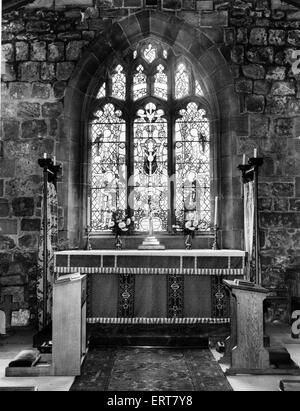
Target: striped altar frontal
{"type": "Point", "coordinates": [174, 262]}
{"type": "Point", "coordinates": [155, 287]}
{"type": "Point", "coordinates": [175, 321]}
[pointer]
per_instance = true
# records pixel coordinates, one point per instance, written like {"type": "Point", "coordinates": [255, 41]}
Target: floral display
{"type": "Point", "coordinates": [120, 223]}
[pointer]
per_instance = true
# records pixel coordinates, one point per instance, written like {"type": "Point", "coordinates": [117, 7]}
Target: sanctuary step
{"type": "Point", "coordinates": [154, 335]}
{"type": "Point", "coordinates": [281, 358]}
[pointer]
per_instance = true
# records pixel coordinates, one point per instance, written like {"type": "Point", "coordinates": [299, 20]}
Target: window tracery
{"type": "Point", "coordinates": [139, 83]}
{"type": "Point", "coordinates": [121, 146]}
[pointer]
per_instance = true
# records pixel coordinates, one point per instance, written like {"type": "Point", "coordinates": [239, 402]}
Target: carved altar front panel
{"type": "Point", "coordinates": [155, 286]}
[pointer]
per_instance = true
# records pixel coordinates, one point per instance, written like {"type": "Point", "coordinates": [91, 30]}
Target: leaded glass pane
{"type": "Point", "coordinates": [119, 83]}
{"type": "Point", "coordinates": [102, 91]}
{"type": "Point", "coordinates": [149, 53]}
{"type": "Point", "coordinates": [108, 132]}
{"type": "Point", "coordinates": [139, 83]}
{"type": "Point", "coordinates": [161, 83]}
{"type": "Point", "coordinates": [198, 89]}
{"type": "Point", "coordinates": [150, 169]}
{"type": "Point", "coordinates": [193, 167]}
{"type": "Point", "coordinates": [182, 82]}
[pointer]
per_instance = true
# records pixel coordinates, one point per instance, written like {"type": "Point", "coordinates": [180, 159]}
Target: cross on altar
{"type": "Point", "coordinates": [8, 306]}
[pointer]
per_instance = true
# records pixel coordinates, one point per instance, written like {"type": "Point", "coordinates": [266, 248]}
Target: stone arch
{"type": "Point", "coordinates": [219, 91]}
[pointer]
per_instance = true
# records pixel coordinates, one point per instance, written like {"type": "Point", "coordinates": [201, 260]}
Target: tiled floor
{"type": "Point", "coordinates": [127, 362]}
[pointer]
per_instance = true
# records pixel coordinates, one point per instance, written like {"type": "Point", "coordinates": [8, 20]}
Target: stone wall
{"type": "Point", "coordinates": [259, 39]}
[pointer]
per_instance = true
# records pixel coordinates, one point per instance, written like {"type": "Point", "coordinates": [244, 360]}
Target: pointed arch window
{"type": "Point", "coordinates": [108, 135]}
{"type": "Point", "coordinates": [150, 177]}
{"type": "Point", "coordinates": [150, 142]}
{"type": "Point", "coordinates": [193, 165]}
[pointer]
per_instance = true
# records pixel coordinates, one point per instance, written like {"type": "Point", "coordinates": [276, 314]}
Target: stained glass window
{"type": "Point", "coordinates": [102, 91]}
{"type": "Point", "coordinates": [182, 82]}
{"type": "Point", "coordinates": [108, 132]}
{"type": "Point", "coordinates": [132, 135]}
{"type": "Point", "coordinates": [193, 166]}
{"type": "Point", "coordinates": [149, 53]}
{"type": "Point", "coordinates": [151, 168]}
{"type": "Point", "coordinates": [119, 83]}
{"type": "Point", "coordinates": [198, 88]}
{"type": "Point", "coordinates": [139, 83]}
{"type": "Point", "coordinates": [161, 83]}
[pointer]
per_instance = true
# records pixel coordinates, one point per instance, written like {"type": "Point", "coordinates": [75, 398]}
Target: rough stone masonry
{"type": "Point", "coordinates": [41, 45]}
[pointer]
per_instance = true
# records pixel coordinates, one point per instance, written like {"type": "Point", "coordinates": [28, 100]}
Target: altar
{"type": "Point", "coordinates": [149, 287]}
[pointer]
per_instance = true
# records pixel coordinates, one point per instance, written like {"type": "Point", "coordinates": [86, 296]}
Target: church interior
{"type": "Point", "coordinates": [150, 195]}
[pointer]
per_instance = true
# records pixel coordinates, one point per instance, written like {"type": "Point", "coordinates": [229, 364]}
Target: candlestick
{"type": "Point", "coordinates": [89, 211]}
{"type": "Point", "coordinates": [216, 212]}
{"type": "Point", "coordinates": [88, 231]}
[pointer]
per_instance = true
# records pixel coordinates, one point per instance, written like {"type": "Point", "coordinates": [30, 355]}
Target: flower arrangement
{"type": "Point", "coordinates": [120, 223]}
{"type": "Point", "coordinates": [188, 228]}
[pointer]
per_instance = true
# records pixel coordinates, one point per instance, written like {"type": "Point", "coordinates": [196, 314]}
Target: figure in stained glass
{"type": "Point", "coordinates": [119, 83]}
{"type": "Point", "coordinates": [182, 82]}
{"type": "Point", "coordinates": [193, 165]}
{"type": "Point", "coordinates": [139, 83]}
{"type": "Point", "coordinates": [132, 148]}
{"type": "Point", "coordinates": [161, 83]}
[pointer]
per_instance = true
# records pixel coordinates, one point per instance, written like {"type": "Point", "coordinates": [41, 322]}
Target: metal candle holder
{"type": "Point", "coordinates": [215, 245]}
{"type": "Point", "coordinates": [88, 231]}
{"type": "Point", "coordinates": [50, 172]}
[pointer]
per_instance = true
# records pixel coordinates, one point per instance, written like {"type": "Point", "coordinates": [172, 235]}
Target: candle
{"type": "Point", "coordinates": [244, 159]}
{"type": "Point", "coordinates": [54, 161]}
{"type": "Point", "coordinates": [255, 152]}
{"type": "Point", "coordinates": [89, 211]}
{"type": "Point", "coordinates": [45, 155]}
{"type": "Point", "coordinates": [216, 211]}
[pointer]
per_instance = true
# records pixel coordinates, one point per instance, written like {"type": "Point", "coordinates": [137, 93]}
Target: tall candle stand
{"type": "Point", "coordinates": [215, 245]}
{"type": "Point", "coordinates": [50, 172]}
{"type": "Point", "coordinates": [88, 231]}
